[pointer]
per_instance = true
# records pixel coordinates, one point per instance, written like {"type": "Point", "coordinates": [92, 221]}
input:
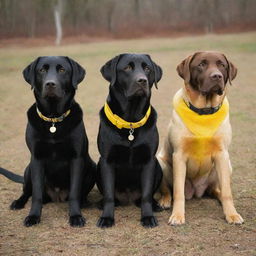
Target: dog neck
{"type": "Point", "coordinates": [53, 107]}
{"type": "Point", "coordinates": [200, 101]}
{"type": "Point", "coordinates": [131, 110]}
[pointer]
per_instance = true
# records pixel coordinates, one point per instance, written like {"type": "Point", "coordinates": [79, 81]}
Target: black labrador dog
{"type": "Point", "coordinates": [60, 168]}
{"type": "Point", "coordinates": [128, 137]}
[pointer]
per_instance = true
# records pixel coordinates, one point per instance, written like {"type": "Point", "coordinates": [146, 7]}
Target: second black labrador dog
{"type": "Point", "coordinates": [128, 136]}
{"type": "Point", "coordinates": [60, 167]}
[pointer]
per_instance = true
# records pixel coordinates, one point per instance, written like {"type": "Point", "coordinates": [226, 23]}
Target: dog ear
{"type": "Point", "coordinates": [78, 72]}
{"type": "Point", "coordinates": [108, 71]}
{"type": "Point", "coordinates": [232, 70]}
{"type": "Point", "coordinates": [183, 68]}
{"type": "Point", "coordinates": [157, 71]}
{"type": "Point", "coordinates": [29, 72]}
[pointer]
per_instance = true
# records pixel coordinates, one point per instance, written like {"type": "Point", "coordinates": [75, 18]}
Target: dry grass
{"type": "Point", "coordinates": [205, 232]}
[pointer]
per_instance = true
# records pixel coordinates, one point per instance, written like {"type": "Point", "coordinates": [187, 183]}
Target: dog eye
{"type": "Point", "coordinates": [147, 69]}
{"type": "Point", "coordinates": [42, 70]}
{"type": "Point", "coordinates": [62, 70]}
{"type": "Point", "coordinates": [222, 64]}
{"type": "Point", "coordinates": [201, 65]}
{"type": "Point", "coordinates": [128, 68]}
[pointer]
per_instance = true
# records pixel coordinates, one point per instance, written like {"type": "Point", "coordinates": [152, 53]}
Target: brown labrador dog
{"type": "Point", "coordinates": [195, 158]}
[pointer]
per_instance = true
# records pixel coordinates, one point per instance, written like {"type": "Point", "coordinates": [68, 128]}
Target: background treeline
{"type": "Point", "coordinates": [125, 18]}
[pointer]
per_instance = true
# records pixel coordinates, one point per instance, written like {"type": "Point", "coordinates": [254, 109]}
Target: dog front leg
{"type": "Point", "coordinates": [27, 191]}
{"type": "Point", "coordinates": [179, 175]}
{"type": "Point", "coordinates": [224, 170]}
{"type": "Point", "coordinates": [107, 174]}
{"type": "Point", "coordinates": [147, 183]}
{"type": "Point", "coordinates": [76, 219]}
{"type": "Point", "coordinates": [37, 177]}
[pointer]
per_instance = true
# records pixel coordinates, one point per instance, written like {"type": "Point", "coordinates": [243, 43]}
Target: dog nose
{"type": "Point", "coordinates": [142, 81]}
{"type": "Point", "coordinates": [216, 76]}
{"type": "Point", "coordinates": [50, 84]}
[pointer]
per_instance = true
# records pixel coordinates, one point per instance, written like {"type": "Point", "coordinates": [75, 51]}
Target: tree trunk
{"type": "Point", "coordinates": [57, 17]}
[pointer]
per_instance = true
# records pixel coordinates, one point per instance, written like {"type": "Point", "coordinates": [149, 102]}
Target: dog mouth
{"type": "Point", "coordinates": [137, 93]}
{"type": "Point", "coordinates": [218, 92]}
{"type": "Point", "coordinates": [52, 94]}
{"type": "Point", "coordinates": [214, 89]}
{"type": "Point", "coordinates": [140, 92]}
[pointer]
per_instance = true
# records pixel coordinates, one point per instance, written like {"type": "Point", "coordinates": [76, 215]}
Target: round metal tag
{"type": "Point", "coordinates": [52, 129]}
{"type": "Point", "coordinates": [130, 137]}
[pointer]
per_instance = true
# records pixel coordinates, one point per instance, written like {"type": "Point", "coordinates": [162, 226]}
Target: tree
{"type": "Point", "coordinates": [58, 10]}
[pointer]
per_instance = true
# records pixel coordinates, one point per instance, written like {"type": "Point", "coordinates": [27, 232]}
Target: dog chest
{"type": "Point", "coordinates": [124, 155]}
{"type": "Point", "coordinates": [198, 147]}
{"type": "Point", "coordinates": [54, 150]}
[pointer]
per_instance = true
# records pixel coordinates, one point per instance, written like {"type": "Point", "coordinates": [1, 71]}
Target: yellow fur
{"type": "Point", "coordinates": [200, 147]}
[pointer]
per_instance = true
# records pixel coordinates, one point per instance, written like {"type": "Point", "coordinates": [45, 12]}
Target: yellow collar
{"type": "Point", "coordinates": [54, 119]}
{"type": "Point", "coordinates": [200, 125]}
{"type": "Point", "coordinates": [121, 123]}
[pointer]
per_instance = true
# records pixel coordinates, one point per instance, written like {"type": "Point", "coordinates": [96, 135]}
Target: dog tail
{"type": "Point", "coordinates": [12, 176]}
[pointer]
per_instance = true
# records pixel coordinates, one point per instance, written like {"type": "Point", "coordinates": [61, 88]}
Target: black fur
{"type": "Point", "coordinates": [126, 165]}
{"type": "Point", "coordinates": [12, 176]}
{"type": "Point", "coordinates": [59, 161]}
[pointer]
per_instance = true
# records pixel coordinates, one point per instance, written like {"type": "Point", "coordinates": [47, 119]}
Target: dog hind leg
{"type": "Point", "coordinates": [165, 193]}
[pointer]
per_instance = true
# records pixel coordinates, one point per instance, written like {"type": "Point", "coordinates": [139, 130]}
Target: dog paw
{"type": "Point", "coordinates": [77, 221]}
{"type": "Point", "coordinates": [31, 220]}
{"type": "Point", "coordinates": [234, 218]}
{"type": "Point", "coordinates": [149, 222]}
{"type": "Point", "coordinates": [16, 205]}
{"type": "Point", "coordinates": [176, 219]}
{"type": "Point", "coordinates": [165, 202]}
{"type": "Point", "coordinates": [157, 208]}
{"type": "Point", "coordinates": [105, 222]}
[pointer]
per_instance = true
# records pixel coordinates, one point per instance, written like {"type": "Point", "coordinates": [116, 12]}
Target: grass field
{"type": "Point", "coordinates": [205, 231]}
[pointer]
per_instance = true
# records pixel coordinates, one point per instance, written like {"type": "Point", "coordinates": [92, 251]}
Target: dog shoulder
{"type": "Point", "coordinates": [31, 112]}
{"type": "Point", "coordinates": [177, 131]}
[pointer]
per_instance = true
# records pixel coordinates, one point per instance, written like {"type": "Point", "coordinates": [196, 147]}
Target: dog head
{"type": "Point", "coordinates": [53, 77]}
{"type": "Point", "coordinates": [133, 75]}
{"type": "Point", "coordinates": [207, 72]}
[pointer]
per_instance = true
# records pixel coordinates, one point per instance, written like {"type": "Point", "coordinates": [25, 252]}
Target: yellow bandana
{"type": "Point", "coordinates": [200, 125]}
{"type": "Point", "coordinates": [121, 123]}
